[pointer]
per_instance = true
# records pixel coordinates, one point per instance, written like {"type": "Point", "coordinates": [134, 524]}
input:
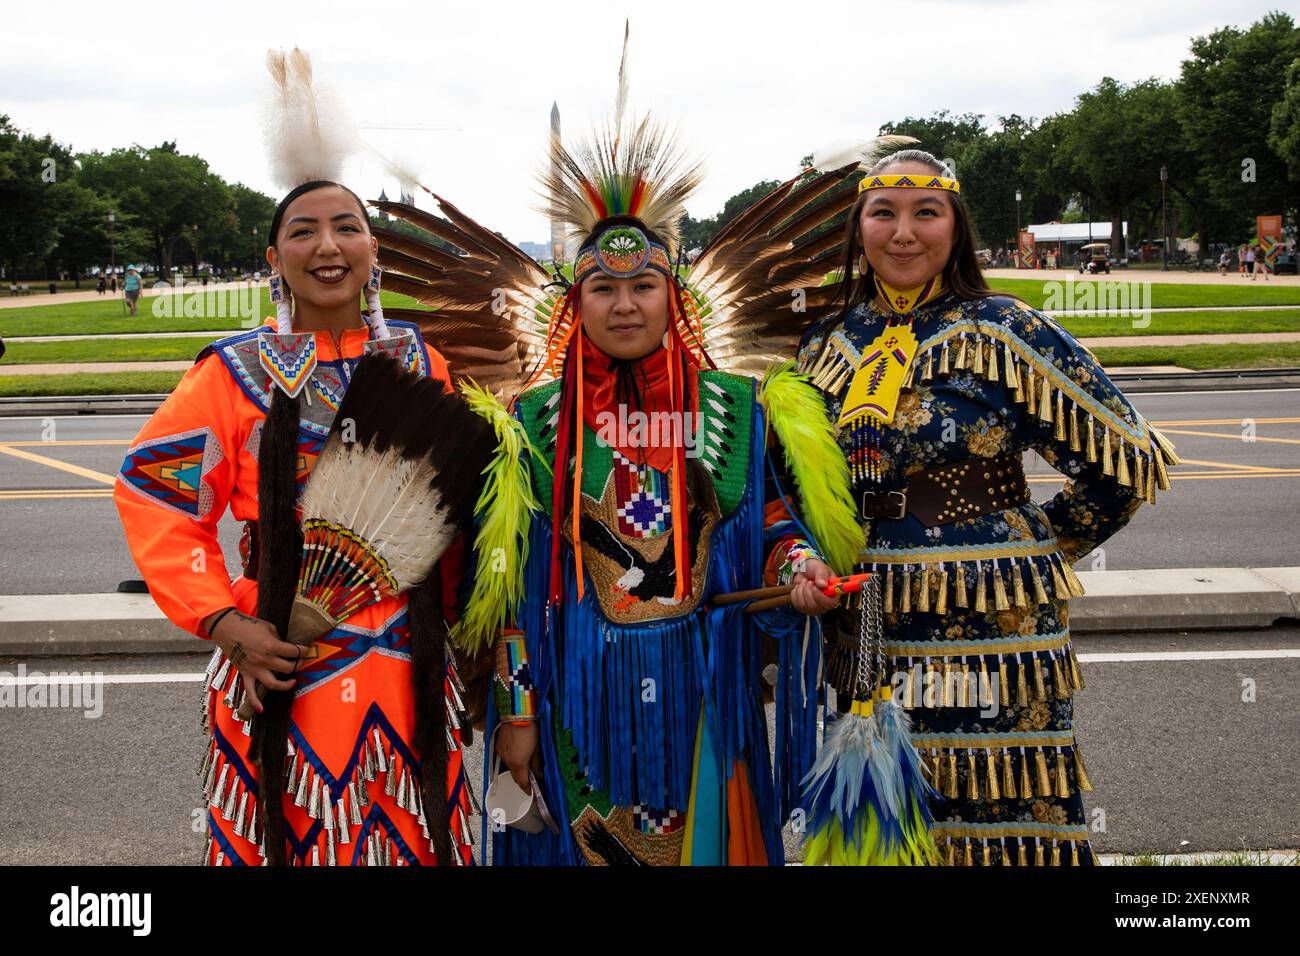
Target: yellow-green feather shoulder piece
{"type": "Point", "coordinates": [503, 512]}
{"type": "Point", "coordinates": [796, 411]}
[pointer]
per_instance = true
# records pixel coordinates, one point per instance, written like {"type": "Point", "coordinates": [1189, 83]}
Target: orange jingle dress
{"type": "Point", "coordinates": [354, 776]}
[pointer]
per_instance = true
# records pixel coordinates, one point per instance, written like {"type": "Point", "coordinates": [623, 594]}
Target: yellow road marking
{"type": "Point", "coordinates": [29, 444]}
{"type": "Point", "coordinates": [1229, 421]}
{"type": "Point", "coordinates": [1262, 473]}
{"type": "Point", "coordinates": [48, 496]}
{"type": "Point", "coordinates": [1237, 437]}
{"type": "Point", "coordinates": [1227, 464]}
{"type": "Point", "coordinates": [60, 465]}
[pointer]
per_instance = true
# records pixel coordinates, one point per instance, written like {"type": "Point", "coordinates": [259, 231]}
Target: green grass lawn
{"type": "Point", "coordinates": [146, 349]}
{"type": "Point", "coordinates": [88, 383]}
{"type": "Point", "coordinates": [1184, 323]}
{"type": "Point", "coordinates": [152, 349]}
{"type": "Point", "coordinates": [109, 316]}
{"type": "Point", "coordinates": [1273, 355]}
{"type": "Point", "coordinates": [1165, 295]}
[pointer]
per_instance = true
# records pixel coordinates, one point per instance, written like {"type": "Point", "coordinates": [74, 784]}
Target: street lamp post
{"type": "Point", "coordinates": [254, 266]}
{"type": "Point", "coordinates": [1018, 264]}
{"type": "Point", "coordinates": [195, 228]}
{"type": "Point", "coordinates": [1164, 221]}
{"type": "Point", "coordinates": [112, 248]}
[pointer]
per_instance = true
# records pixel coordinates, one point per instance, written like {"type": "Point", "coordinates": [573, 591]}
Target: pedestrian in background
{"type": "Point", "coordinates": [1261, 264]}
{"type": "Point", "coordinates": [131, 286]}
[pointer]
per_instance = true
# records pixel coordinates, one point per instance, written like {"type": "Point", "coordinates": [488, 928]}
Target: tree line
{"type": "Point", "coordinates": [57, 206]}
{"type": "Point", "coordinates": [1226, 131]}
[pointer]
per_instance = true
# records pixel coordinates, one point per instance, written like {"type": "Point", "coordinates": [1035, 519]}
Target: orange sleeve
{"type": "Point", "coordinates": [174, 484]}
{"type": "Point", "coordinates": [438, 367]}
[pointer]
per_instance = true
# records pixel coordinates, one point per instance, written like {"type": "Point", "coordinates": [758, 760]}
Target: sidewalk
{"type": "Point", "coordinates": [1180, 599]}
{"type": "Point", "coordinates": [70, 368]}
{"type": "Point", "coordinates": [90, 295]}
{"type": "Point", "coordinates": [1142, 275]}
{"type": "Point", "coordinates": [1214, 338]}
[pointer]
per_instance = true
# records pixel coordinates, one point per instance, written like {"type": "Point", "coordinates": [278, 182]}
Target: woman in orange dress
{"type": "Point", "coordinates": [360, 730]}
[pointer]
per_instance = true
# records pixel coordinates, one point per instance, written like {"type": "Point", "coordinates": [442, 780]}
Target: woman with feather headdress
{"type": "Point", "coordinates": [939, 386]}
{"type": "Point", "coordinates": [332, 703]}
{"type": "Point", "coordinates": [654, 453]}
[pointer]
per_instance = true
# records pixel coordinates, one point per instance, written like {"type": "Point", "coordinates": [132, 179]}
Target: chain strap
{"type": "Point", "coordinates": [870, 664]}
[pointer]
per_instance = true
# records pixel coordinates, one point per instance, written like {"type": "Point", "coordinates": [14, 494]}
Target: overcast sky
{"type": "Point", "coordinates": [751, 91]}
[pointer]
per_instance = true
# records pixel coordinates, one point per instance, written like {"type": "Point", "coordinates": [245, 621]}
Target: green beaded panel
{"type": "Point", "coordinates": [723, 442]}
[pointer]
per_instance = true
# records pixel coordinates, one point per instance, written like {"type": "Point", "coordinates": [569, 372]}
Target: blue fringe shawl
{"type": "Point", "coordinates": [632, 695]}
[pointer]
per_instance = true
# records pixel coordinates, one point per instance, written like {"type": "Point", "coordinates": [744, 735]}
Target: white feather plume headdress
{"type": "Point", "coordinates": [307, 131]}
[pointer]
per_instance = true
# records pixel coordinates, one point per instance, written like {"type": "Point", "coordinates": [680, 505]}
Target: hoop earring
{"type": "Point", "coordinates": [862, 264]}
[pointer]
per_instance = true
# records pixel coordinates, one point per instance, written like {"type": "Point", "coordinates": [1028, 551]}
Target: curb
{"type": "Point", "coordinates": [81, 405]}
{"type": "Point", "coordinates": [1184, 599]}
{"type": "Point", "coordinates": [1180, 599]}
{"type": "Point", "coordinates": [1131, 383]}
{"type": "Point", "coordinates": [1216, 380]}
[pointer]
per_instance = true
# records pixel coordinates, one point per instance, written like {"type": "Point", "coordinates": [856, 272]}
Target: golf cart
{"type": "Point", "coordinates": [1095, 258]}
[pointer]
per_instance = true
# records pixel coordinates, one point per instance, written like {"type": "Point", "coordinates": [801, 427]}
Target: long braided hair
{"type": "Point", "coordinates": [279, 543]}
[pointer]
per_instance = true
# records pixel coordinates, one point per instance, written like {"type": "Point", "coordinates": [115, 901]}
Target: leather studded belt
{"type": "Point", "coordinates": [952, 492]}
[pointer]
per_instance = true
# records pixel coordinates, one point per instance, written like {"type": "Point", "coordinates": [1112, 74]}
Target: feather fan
{"type": "Point", "coordinates": [394, 485]}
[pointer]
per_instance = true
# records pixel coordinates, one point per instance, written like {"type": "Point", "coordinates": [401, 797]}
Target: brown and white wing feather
{"type": "Point", "coordinates": [488, 301]}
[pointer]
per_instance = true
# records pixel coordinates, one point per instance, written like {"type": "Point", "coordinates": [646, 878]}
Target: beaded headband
{"type": "Point", "coordinates": [621, 252]}
{"type": "Point", "coordinates": [913, 181]}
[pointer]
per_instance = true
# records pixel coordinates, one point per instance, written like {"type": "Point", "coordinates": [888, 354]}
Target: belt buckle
{"type": "Point", "coordinates": [899, 496]}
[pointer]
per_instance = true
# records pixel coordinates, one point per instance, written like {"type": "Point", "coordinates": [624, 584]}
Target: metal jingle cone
{"type": "Point", "coordinates": [327, 808]}
{"type": "Point", "coordinates": [219, 680]}
{"type": "Point", "coordinates": [354, 804]}
{"type": "Point", "coordinates": [209, 780]}
{"type": "Point", "coordinates": [314, 800]}
{"type": "Point", "coordinates": [240, 821]}
{"type": "Point", "coordinates": [218, 796]}
{"type": "Point", "coordinates": [300, 796]}
{"type": "Point", "coordinates": [345, 835]}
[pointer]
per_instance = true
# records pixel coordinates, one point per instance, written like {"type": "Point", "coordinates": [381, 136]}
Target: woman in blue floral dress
{"type": "Point", "coordinates": [975, 574]}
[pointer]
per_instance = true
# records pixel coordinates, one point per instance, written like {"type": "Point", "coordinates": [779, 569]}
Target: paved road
{"type": "Point", "coordinates": [1180, 763]}
{"type": "Point", "coordinates": [1232, 505]}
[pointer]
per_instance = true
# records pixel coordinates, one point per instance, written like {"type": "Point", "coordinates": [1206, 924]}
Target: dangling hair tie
{"type": "Point", "coordinates": [280, 299]}
{"type": "Point", "coordinates": [372, 303]}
